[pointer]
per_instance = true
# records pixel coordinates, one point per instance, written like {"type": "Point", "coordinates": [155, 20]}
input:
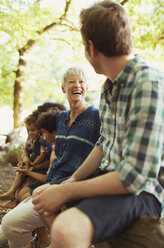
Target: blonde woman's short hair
{"type": "Point", "coordinates": [73, 71]}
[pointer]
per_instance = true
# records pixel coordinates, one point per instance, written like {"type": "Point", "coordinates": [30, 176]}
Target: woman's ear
{"type": "Point", "coordinates": [63, 88]}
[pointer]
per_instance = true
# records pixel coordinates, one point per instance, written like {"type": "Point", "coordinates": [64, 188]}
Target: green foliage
{"type": "Point", "coordinates": [148, 29]}
{"type": "Point", "coordinates": [61, 46]}
{"type": "Point", "coordinates": [20, 21]}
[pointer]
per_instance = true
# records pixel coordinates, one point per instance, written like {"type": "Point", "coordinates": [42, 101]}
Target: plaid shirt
{"type": "Point", "coordinates": [132, 127]}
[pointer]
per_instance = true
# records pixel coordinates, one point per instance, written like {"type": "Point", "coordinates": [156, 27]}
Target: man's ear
{"type": "Point", "coordinates": [92, 48]}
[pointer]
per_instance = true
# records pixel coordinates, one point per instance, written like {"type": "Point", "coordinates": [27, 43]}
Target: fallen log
{"type": "Point", "coordinates": [147, 232]}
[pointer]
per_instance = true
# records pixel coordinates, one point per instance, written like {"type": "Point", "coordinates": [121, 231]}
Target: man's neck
{"type": "Point", "coordinates": [112, 66]}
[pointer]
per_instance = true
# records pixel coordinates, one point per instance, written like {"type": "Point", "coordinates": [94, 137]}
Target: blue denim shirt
{"type": "Point", "coordinates": [72, 145]}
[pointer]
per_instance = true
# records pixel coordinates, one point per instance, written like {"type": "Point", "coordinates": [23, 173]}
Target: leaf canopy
{"type": "Point", "coordinates": [58, 45]}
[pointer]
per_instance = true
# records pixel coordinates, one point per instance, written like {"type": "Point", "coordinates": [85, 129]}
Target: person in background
{"type": "Point", "coordinates": [47, 123]}
{"type": "Point", "coordinates": [130, 147]}
{"type": "Point", "coordinates": [35, 157]}
{"type": "Point", "coordinates": [46, 106]}
{"type": "Point", "coordinates": [35, 178]}
{"type": "Point", "coordinates": [33, 146]}
{"type": "Point", "coordinates": [77, 131]}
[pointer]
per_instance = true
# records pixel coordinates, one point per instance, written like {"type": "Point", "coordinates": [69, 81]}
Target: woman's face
{"type": "Point", "coordinates": [75, 87]}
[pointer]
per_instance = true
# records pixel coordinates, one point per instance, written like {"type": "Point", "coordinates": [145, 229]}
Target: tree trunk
{"type": "Point", "coordinates": [18, 93]}
{"type": "Point", "coordinates": [17, 103]}
{"type": "Point", "coordinates": [18, 85]}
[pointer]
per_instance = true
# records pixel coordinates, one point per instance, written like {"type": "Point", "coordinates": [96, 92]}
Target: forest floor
{"type": "Point", "coordinates": [7, 176]}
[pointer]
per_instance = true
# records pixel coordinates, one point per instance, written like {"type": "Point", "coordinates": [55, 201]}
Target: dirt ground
{"type": "Point", "coordinates": [6, 178]}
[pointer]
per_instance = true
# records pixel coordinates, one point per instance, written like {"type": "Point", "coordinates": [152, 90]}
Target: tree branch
{"type": "Point", "coordinates": [31, 42]}
{"type": "Point", "coordinates": [124, 2]}
{"type": "Point", "coordinates": [71, 27]}
{"type": "Point", "coordinates": [61, 39]}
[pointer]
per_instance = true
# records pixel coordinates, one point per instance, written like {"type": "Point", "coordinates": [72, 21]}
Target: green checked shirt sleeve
{"type": "Point", "coordinates": [132, 127]}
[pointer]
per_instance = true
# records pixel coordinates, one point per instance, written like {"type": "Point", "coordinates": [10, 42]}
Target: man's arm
{"type": "Point", "coordinates": [107, 184]}
{"type": "Point", "coordinates": [89, 166]}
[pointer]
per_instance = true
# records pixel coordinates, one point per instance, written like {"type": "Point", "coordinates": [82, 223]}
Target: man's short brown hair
{"type": "Point", "coordinates": [107, 25]}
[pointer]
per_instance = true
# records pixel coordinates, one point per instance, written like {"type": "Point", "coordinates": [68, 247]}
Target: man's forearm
{"type": "Point", "coordinates": [106, 184]}
{"type": "Point", "coordinates": [90, 165]}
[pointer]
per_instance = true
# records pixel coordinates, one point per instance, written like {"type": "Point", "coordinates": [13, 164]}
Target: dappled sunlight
{"type": "Point", "coordinates": [6, 123]}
